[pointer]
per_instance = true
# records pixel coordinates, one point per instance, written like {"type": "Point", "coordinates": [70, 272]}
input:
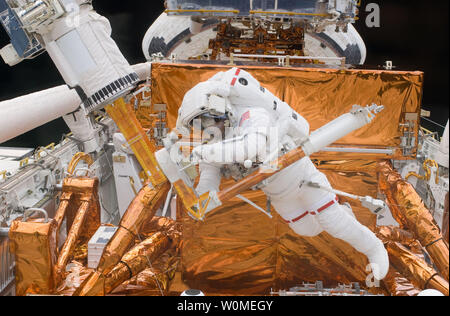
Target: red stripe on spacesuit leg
{"type": "Point", "coordinates": [323, 208]}
{"type": "Point", "coordinates": [318, 211]}
{"type": "Point", "coordinates": [297, 219]}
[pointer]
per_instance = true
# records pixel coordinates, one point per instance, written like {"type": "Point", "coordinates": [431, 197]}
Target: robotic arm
{"type": "Point", "coordinates": [79, 42]}
{"type": "Point", "coordinates": [77, 39]}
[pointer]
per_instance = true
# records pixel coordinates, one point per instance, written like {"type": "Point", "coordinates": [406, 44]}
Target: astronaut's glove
{"type": "Point", "coordinates": [219, 88]}
{"type": "Point", "coordinates": [196, 155]}
{"type": "Point", "coordinates": [207, 88]}
{"type": "Point", "coordinates": [377, 207]}
{"type": "Point", "coordinates": [212, 153]}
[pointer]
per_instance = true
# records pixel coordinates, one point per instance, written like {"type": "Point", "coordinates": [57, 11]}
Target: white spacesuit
{"type": "Point", "coordinates": [265, 123]}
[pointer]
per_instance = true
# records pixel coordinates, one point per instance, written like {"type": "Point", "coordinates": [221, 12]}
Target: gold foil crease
{"type": "Point", "coordinates": [83, 188]}
{"type": "Point", "coordinates": [240, 251]}
{"type": "Point", "coordinates": [395, 234]}
{"type": "Point", "coordinates": [64, 203]}
{"type": "Point", "coordinates": [141, 210]}
{"type": "Point", "coordinates": [146, 283]}
{"type": "Point", "coordinates": [75, 276]}
{"type": "Point", "coordinates": [237, 244]}
{"type": "Point", "coordinates": [409, 211]}
{"type": "Point", "coordinates": [445, 222]}
{"type": "Point", "coordinates": [163, 224]}
{"type": "Point", "coordinates": [398, 285]}
{"type": "Point", "coordinates": [33, 244]}
{"type": "Point", "coordinates": [71, 242]}
{"type": "Point", "coordinates": [136, 260]}
{"type": "Point", "coordinates": [93, 285]}
{"type": "Point", "coordinates": [154, 281]}
{"type": "Point", "coordinates": [415, 269]}
{"type": "Point", "coordinates": [320, 95]}
{"type": "Point", "coordinates": [85, 223]}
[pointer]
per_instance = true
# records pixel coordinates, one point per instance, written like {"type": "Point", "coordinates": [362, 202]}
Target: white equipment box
{"type": "Point", "coordinates": [98, 243]}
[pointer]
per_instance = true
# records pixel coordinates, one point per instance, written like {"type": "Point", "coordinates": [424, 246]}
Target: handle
{"type": "Point", "coordinates": [76, 159]}
{"type": "Point", "coordinates": [30, 211]}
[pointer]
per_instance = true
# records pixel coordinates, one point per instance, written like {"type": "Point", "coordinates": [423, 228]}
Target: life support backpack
{"type": "Point", "coordinates": [246, 91]}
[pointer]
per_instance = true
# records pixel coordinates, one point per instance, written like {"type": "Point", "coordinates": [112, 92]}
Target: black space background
{"type": "Point", "coordinates": [413, 34]}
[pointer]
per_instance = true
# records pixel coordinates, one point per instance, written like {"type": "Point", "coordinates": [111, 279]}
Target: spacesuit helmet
{"type": "Point", "coordinates": [204, 104]}
{"type": "Point", "coordinates": [208, 120]}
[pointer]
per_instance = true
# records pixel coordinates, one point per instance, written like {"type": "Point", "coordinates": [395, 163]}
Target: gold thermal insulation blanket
{"type": "Point", "coordinates": [163, 224]}
{"type": "Point", "coordinates": [415, 269]}
{"type": "Point", "coordinates": [141, 210]}
{"type": "Point", "coordinates": [238, 244]}
{"type": "Point", "coordinates": [320, 95]}
{"type": "Point", "coordinates": [406, 255]}
{"type": "Point", "coordinates": [398, 285]}
{"type": "Point", "coordinates": [153, 280]}
{"type": "Point", "coordinates": [157, 279]}
{"type": "Point", "coordinates": [84, 224]}
{"type": "Point", "coordinates": [409, 211]}
{"type": "Point", "coordinates": [81, 189]}
{"type": "Point", "coordinates": [239, 250]}
{"type": "Point", "coordinates": [33, 244]}
{"type": "Point", "coordinates": [66, 206]}
{"type": "Point", "coordinates": [137, 260]}
{"type": "Point", "coordinates": [445, 222]}
{"type": "Point", "coordinates": [76, 274]}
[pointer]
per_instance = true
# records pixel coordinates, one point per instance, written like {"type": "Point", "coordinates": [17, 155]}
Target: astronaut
{"type": "Point", "coordinates": [259, 122]}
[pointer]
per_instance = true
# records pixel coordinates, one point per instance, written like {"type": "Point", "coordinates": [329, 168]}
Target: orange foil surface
{"type": "Point", "coordinates": [141, 210]}
{"type": "Point", "coordinates": [33, 244]}
{"type": "Point", "coordinates": [320, 95]}
{"type": "Point", "coordinates": [237, 244]}
{"type": "Point", "coordinates": [415, 269]}
{"type": "Point", "coordinates": [445, 222]}
{"type": "Point", "coordinates": [409, 211]}
{"type": "Point", "coordinates": [136, 260]}
{"type": "Point", "coordinates": [84, 224]}
{"type": "Point", "coordinates": [398, 285]}
{"type": "Point", "coordinates": [82, 189]}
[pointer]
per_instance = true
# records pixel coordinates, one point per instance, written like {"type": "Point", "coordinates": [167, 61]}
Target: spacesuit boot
{"type": "Point", "coordinates": [338, 223]}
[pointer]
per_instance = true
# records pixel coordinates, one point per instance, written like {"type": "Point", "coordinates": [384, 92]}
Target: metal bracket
{"type": "Point", "coordinates": [408, 140]}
